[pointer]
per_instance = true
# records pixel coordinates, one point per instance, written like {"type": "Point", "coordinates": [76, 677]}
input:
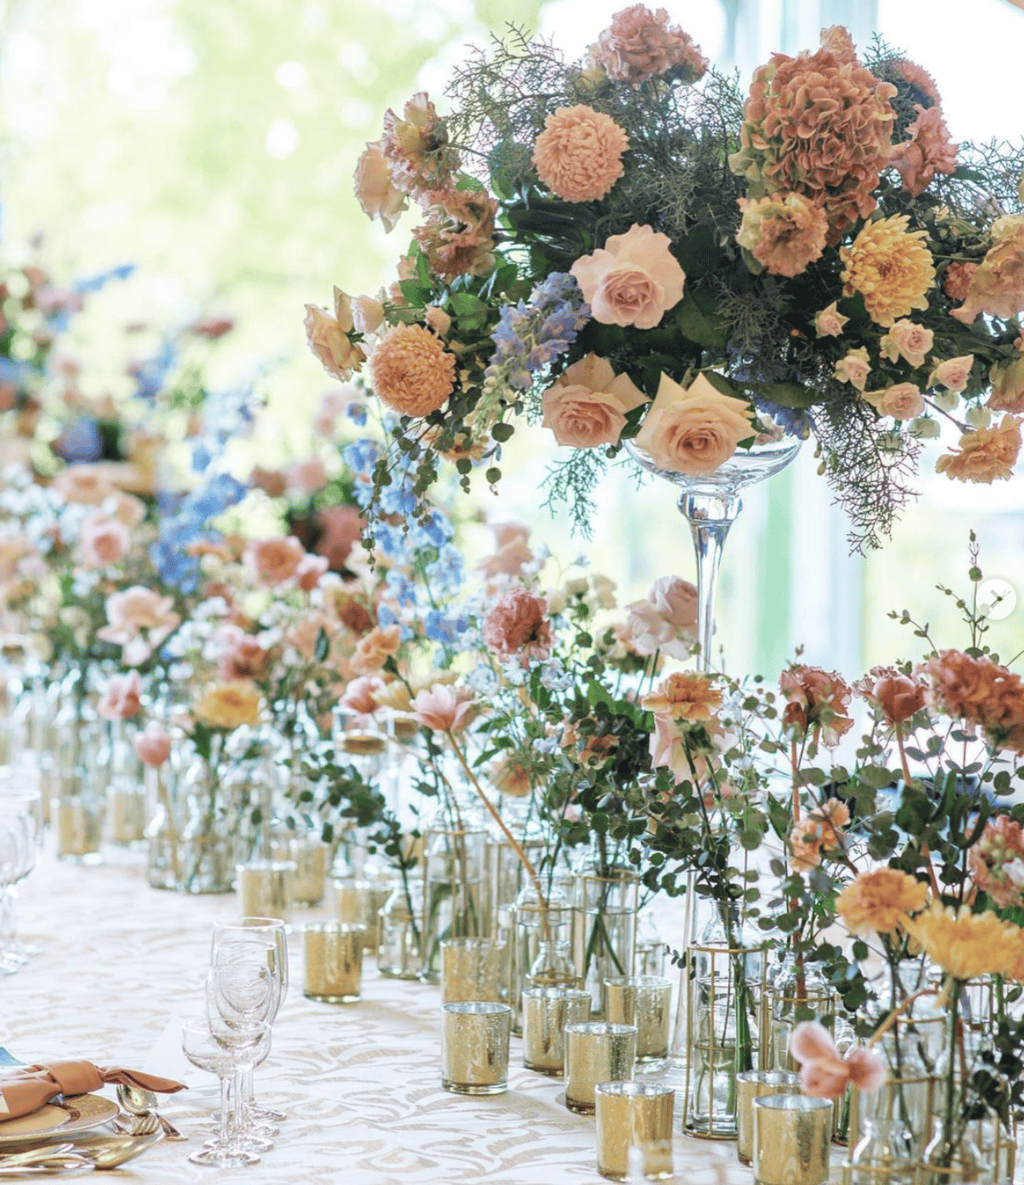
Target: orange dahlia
{"type": "Point", "coordinates": [890, 267]}
{"type": "Point", "coordinates": [412, 371]}
{"type": "Point", "coordinates": [579, 154]}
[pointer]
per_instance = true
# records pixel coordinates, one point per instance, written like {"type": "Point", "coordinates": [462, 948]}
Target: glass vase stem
{"type": "Point", "coordinates": [710, 516]}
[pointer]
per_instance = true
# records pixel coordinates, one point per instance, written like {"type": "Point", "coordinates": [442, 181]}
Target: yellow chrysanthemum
{"type": "Point", "coordinates": [228, 705]}
{"type": "Point", "coordinates": [879, 902]}
{"type": "Point", "coordinates": [964, 944]}
{"type": "Point", "coordinates": [890, 267]}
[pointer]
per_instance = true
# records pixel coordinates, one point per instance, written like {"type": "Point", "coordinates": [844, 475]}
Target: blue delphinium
{"type": "Point", "coordinates": [532, 334]}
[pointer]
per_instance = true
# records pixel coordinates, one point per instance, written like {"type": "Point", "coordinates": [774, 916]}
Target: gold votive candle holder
{"type": "Point", "coordinates": [630, 1114]}
{"type": "Point", "coordinates": [310, 855]}
{"type": "Point", "coordinates": [596, 1052]}
{"type": "Point", "coordinates": [792, 1134]}
{"type": "Point", "coordinates": [752, 1084]}
{"type": "Point", "coordinates": [546, 1012]}
{"type": "Point", "coordinates": [126, 815]}
{"type": "Point", "coordinates": [333, 961]}
{"type": "Point", "coordinates": [78, 827]}
{"type": "Point", "coordinates": [474, 1046]}
{"type": "Point", "coordinates": [644, 1001]}
{"type": "Point", "coordinates": [473, 969]}
{"type": "Point", "coordinates": [264, 888]}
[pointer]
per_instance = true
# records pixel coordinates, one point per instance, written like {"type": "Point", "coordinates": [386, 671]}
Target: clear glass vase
{"type": "Point", "coordinates": [399, 954]}
{"type": "Point", "coordinates": [604, 928]}
{"type": "Point", "coordinates": [541, 933]}
{"type": "Point", "coordinates": [882, 1155]}
{"type": "Point", "coordinates": [164, 810]}
{"type": "Point", "coordinates": [952, 1163]}
{"type": "Point", "coordinates": [795, 992]}
{"type": "Point", "coordinates": [119, 775]}
{"type": "Point", "coordinates": [209, 839]}
{"type": "Point", "coordinates": [454, 885]}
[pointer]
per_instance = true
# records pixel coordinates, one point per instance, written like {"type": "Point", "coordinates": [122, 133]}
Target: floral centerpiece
{"type": "Point", "coordinates": [631, 246]}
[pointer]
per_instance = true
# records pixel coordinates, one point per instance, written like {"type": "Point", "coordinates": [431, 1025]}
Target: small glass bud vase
{"type": "Point", "coordinates": [541, 946]}
{"type": "Point", "coordinates": [398, 956]}
{"type": "Point", "coordinates": [795, 992]}
{"type": "Point", "coordinates": [604, 928]}
{"type": "Point", "coordinates": [163, 831]}
{"type": "Point", "coordinates": [882, 1155]}
{"type": "Point", "coordinates": [454, 885]}
{"type": "Point", "coordinates": [955, 1162]}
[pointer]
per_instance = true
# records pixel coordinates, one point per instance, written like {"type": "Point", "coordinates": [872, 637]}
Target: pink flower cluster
{"type": "Point", "coordinates": [997, 862]}
{"type": "Point", "coordinates": [817, 702]}
{"type": "Point", "coordinates": [517, 626]}
{"type": "Point", "coordinates": [641, 44]}
{"type": "Point", "coordinates": [980, 692]}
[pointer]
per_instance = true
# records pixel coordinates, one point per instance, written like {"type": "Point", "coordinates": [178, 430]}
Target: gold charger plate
{"type": "Point", "coordinates": [78, 1113]}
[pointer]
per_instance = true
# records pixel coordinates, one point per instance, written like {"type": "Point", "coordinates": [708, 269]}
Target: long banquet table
{"type": "Point", "coordinates": [121, 964]}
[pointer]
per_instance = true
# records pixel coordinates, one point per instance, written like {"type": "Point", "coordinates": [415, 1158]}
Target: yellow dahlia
{"type": "Point", "coordinates": [579, 154]}
{"type": "Point", "coordinates": [964, 944]}
{"type": "Point", "coordinates": [228, 705]}
{"type": "Point", "coordinates": [878, 902]}
{"type": "Point", "coordinates": [890, 267]}
{"type": "Point", "coordinates": [412, 371]}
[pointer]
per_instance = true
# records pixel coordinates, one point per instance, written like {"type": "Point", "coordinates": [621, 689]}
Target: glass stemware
{"type": "Point", "coordinates": [220, 1050]}
{"type": "Point", "coordinates": [20, 828]}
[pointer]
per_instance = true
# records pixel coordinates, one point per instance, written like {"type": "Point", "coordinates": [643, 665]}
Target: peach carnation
{"type": "Point", "coordinates": [829, 322]}
{"type": "Point", "coordinates": [784, 233]}
{"type": "Point", "coordinates": [586, 405]}
{"type": "Point", "coordinates": [928, 151]}
{"type": "Point", "coordinates": [684, 696]}
{"type": "Point", "coordinates": [517, 624]}
{"type": "Point", "coordinates": [997, 286]}
{"type": "Point", "coordinates": [997, 862]}
{"type": "Point", "coordinates": [902, 401]}
{"type": "Point", "coordinates": [412, 371]}
{"type": "Point", "coordinates": [693, 430]}
{"type": "Point", "coordinates": [578, 156]}
{"type": "Point", "coordinates": [632, 280]}
{"type": "Point", "coordinates": [1007, 381]}
{"type": "Point", "coordinates": [242, 657]}
{"type": "Point", "coordinates": [890, 267]}
{"type": "Point", "coordinates": [956, 280]}
{"type": "Point", "coordinates": [878, 902]}
{"type": "Point", "coordinates": [457, 239]}
{"type": "Point", "coordinates": [375, 191]}
{"type": "Point", "coordinates": [817, 700]}
{"type": "Point", "coordinates": [818, 126]}
{"type": "Point", "coordinates": [375, 648]}
{"type": "Point", "coordinates": [415, 148]}
{"type": "Point", "coordinates": [329, 337]}
{"type": "Point", "coordinates": [818, 831]}
{"type": "Point", "coordinates": [88, 485]}
{"type": "Point", "coordinates": [906, 340]}
{"type": "Point", "coordinates": [985, 455]}
{"type": "Point", "coordinates": [641, 44]}
{"type": "Point", "coordinates": [953, 374]}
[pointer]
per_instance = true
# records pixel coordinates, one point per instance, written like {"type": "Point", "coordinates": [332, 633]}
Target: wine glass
{"type": "Point", "coordinates": [20, 826]}
{"type": "Point", "coordinates": [218, 1049]}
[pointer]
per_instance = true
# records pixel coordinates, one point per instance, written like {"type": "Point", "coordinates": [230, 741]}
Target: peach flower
{"type": "Point", "coordinates": [126, 508]}
{"type": "Point", "coordinates": [818, 831]}
{"type": "Point", "coordinates": [879, 902]}
{"type": "Point", "coordinates": [340, 529]}
{"type": "Point", "coordinates": [784, 232]}
{"type": "Point", "coordinates": [578, 156]}
{"type": "Point", "coordinates": [367, 315]}
{"type": "Point", "coordinates": [668, 750]}
{"type": "Point", "coordinates": [997, 286]}
{"type": "Point", "coordinates": [817, 700]}
{"type": "Point", "coordinates": [686, 695]}
{"type": "Point", "coordinates": [269, 481]}
{"type": "Point", "coordinates": [902, 401]}
{"type": "Point", "coordinates": [306, 477]}
{"type": "Point", "coordinates": [826, 1075]}
{"type": "Point", "coordinates": [928, 151]}
{"type": "Point", "coordinates": [309, 571]}
{"type": "Point", "coordinates": [959, 684]}
{"type": "Point", "coordinates": [953, 373]}
{"type": "Point", "coordinates": [997, 862]}
{"type": "Point", "coordinates": [376, 192]}
{"type": "Point", "coordinates": [641, 44]}
{"type": "Point", "coordinates": [906, 340]}
{"type": "Point", "coordinates": [122, 697]}
{"type": "Point", "coordinates": [899, 696]}
{"type": "Point", "coordinates": [632, 280]}
{"type": "Point", "coordinates": [329, 337]}
{"type": "Point", "coordinates": [666, 620]}
{"type": "Point", "coordinates": [87, 485]}
{"type": "Point", "coordinates": [586, 405]}
{"type": "Point", "coordinates": [956, 280]}
{"type": "Point", "coordinates": [693, 431]}
{"type": "Point", "coordinates": [360, 695]}
{"type": "Point", "coordinates": [242, 657]}
{"type": "Point", "coordinates": [890, 267]}
{"type": "Point", "coordinates": [837, 40]}
{"type": "Point", "coordinates": [139, 620]}
{"type": "Point", "coordinates": [153, 745]}
{"type": "Point", "coordinates": [275, 559]}
{"type": "Point", "coordinates": [517, 625]}
{"type": "Point", "coordinates": [416, 149]}
{"type": "Point", "coordinates": [458, 236]}
{"type": "Point", "coordinates": [228, 705]}
{"type": "Point", "coordinates": [444, 708]}
{"type": "Point", "coordinates": [1007, 381]}
{"type": "Point", "coordinates": [986, 455]}
{"type": "Point", "coordinates": [511, 778]}
{"type": "Point", "coordinates": [511, 550]}
{"type": "Point", "coordinates": [966, 944]}
{"type": "Point", "coordinates": [854, 368]}
{"type": "Point", "coordinates": [103, 542]}
{"type": "Point", "coordinates": [829, 322]}
{"type": "Point", "coordinates": [375, 648]}
{"type": "Point", "coordinates": [412, 371]}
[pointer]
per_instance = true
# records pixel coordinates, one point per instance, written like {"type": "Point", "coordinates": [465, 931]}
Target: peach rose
{"type": "Point", "coordinates": [906, 340]}
{"type": "Point", "coordinates": [87, 485]}
{"type": "Point", "coordinates": [242, 657]}
{"type": "Point", "coordinates": [632, 280]}
{"type": "Point", "coordinates": [375, 648]}
{"type": "Point", "coordinates": [153, 745]}
{"type": "Point", "coordinates": [586, 406]}
{"type": "Point", "coordinates": [953, 373]}
{"type": "Point", "coordinates": [511, 550]}
{"type": "Point", "coordinates": [309, 571]}
{"type": "Point", "coordinates": [997, 286]}
{"type": "Point", "coordinates": [367, 315]}
{"type": "Point", "coordinates": [903, 401]}
{"type": "Point", "coordinates": [693, 431]}
{"type": "Point", "coordinates": [306, 477]}
{"type": "Point", "coordinates": [275, 560]}
{"type": "Point", "coordinates": [103, 542]}
{"type": "Point", "coordinates": [329, 337]}
{"type": "Point", "coordinates": [122, 697]}
{"type": "Point", "coordinates": [375, 190]}
{"type": "Point", "coordinates": [829, 322]}
{"type": "Point", "coordinates": [126, 508]}
{"type": "Point", "coordinates": [665, 621]}
{"type": "Point", "coordinates": [340, 528]}
{"type": "Point", "coordinates": [228, 705]}
{"type": "Point", "coordinates": [854, 368]}
{"type": "Point", "coordinates": [986, 455]}
{"type": "Point", "coordinates": [898, 696]}
{"type": "Point", "coordinates": [360, 695]}
{"type": "Point", "coordinates": [139, 620]}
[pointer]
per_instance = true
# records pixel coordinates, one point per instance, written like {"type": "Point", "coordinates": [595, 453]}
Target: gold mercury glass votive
{"type": "Point", "coordinates": [473, 969]}
{"type": "Point", "coordinates": [546, 1012]}
{"type": "Point", "coordinates": [628, 1114]}
{"type": "Point", "coordinates": [126, 815]}
{"type": "Point", "coordinates": [265, 888]}
{"type": "Point", "coordinates": [474, 1046]}
{"type": "Point", "coordinates": [791, 1140]}
{"type": "Point", "coordinates": [752, 1084]}
{"type": "Point", "coordinates": [644, 1001]}
{"type": "Point", "coordinates": [333, 961]}
{"type": "Point", "coordinates": [78, 828]}
{"type": "Point", "coordinates": [310, 855]}
{"type": "Point", "coordinates": [596, 1052]}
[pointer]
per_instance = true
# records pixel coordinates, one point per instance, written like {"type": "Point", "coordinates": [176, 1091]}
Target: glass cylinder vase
{"type": "Point", "coordinates": [399, 955]}
{"type": "Point", "coordinates": [604, 928]}
{"type": "Point", "coordinates": [209, 839]}
{"type": "Point", "coordinates": [454, 888]}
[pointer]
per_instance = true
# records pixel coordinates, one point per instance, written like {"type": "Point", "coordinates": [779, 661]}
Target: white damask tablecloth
{"type": "Point", "coordinates": [120, 964]}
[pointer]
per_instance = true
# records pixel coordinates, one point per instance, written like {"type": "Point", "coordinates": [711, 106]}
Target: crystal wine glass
{"type": "Point", "coordinates": [19, 829]}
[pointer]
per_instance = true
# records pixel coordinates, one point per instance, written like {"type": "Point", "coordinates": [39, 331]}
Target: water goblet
{"type": "Point", "coordinates": [220, 1050]}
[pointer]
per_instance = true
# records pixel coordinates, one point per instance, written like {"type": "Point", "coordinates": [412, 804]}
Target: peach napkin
{"type": "Point", "coordinates": [27, 1088]}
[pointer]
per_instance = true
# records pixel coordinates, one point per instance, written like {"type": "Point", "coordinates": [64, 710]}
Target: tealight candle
{"type": "Point", "coordinates": [333, 953]}
{"type": "Point", "coordinates": [264, 888]}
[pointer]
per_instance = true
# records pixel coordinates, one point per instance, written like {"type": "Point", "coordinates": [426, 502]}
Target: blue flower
{"type": "Point", "coordinates": [361, 456]}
